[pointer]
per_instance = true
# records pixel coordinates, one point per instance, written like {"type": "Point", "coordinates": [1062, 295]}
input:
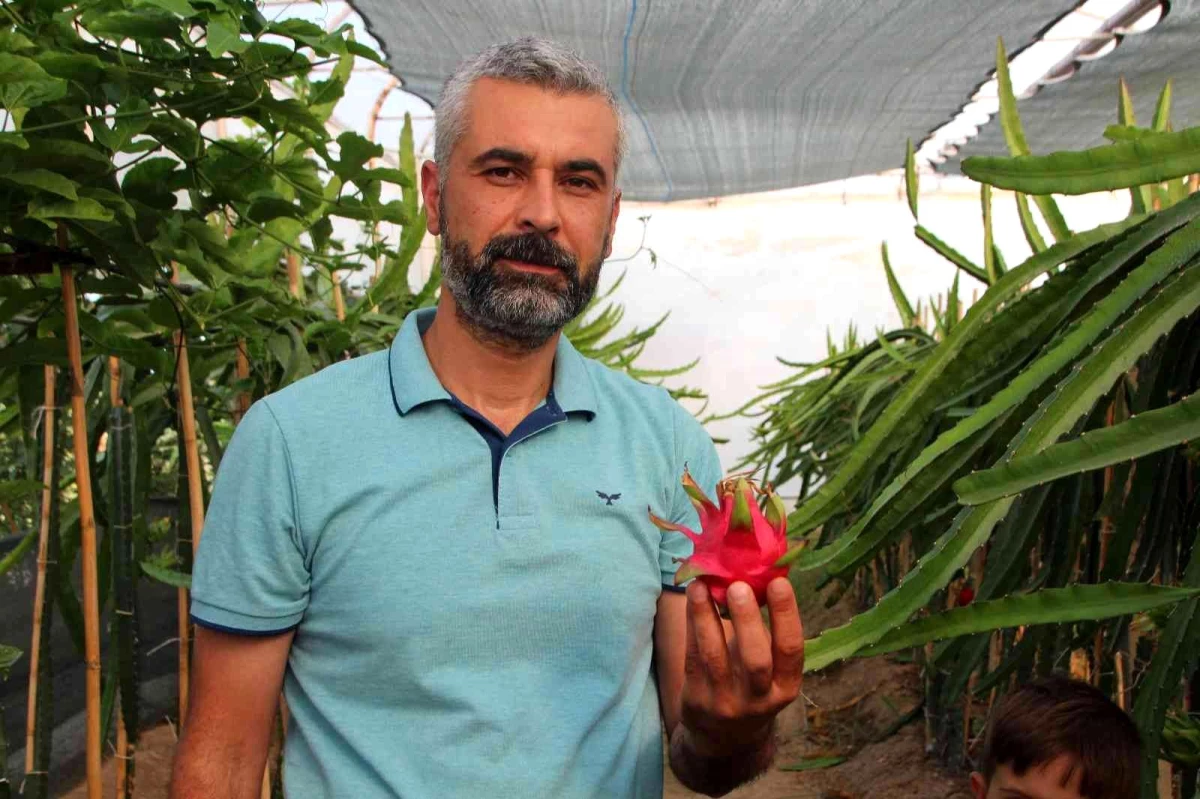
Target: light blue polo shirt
{"type": "Point", "coordinates": [474, 614]}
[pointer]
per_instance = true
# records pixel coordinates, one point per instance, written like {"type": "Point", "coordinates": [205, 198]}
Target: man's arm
{"type": "Point", "coordinates": [234, 693]}
{"type": "Point", "coordinates": [721, 684]}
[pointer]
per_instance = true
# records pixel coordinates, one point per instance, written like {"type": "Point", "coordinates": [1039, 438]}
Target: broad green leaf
{"type": "Point", "coordinates": [264, 209]}
{"type": "Point", "coordinates": [911, 179]}
{"type": "Point", "coordinates": [13, 42]}
{"type": "Point", "coordinates": [83, 208]}
{"type": "Point", "coordinates": [903, 307]}
{"type": "Point", "coordinates": [832, 495]}
{"type": "Point", "coordinates": [1047, 606]}
{"type": "Point", "coordinates": [1014, 136]}
{"type": "Point", "coordinates": [950, 254]}
{"type": "Point", "coordinates": [10, 139]}
{"type": "Point", "coordinates": [386, 174]}
{"type": "Point", "coordinates": [1141, 435]}
{"type": "Point", "coordinates": [25, 84]}
{"type": "Point", "coordinates": [181, 7]}
{"type": "Point", "coordinates": [1150, 159]}
{"type": "Point", "coordinates": [45, 180]}
{"type": "Point", "coordinates": [354, 151]}
{"type": "Point", "coordinates": [224, 35]}
{"type": "Point", "coordinates": [171, 577]}
{"type": "Point", "coordinates": [145, 23]}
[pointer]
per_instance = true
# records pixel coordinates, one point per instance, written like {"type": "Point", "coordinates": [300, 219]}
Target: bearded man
{"type": "Point", "coordinates": [441, 552]}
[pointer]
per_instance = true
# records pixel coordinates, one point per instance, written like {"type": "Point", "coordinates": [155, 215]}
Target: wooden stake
{"type": "Point", "coordinates": [1119, 666]}
{"type": "Point", "coordinates": [1194, 183]}
{"type": "Point", "coordinates": [187, 420]}
{"type": "Point", "coordinates": [87, 530]}
{"type": "Point", "coordinates": [339, 305]}
{"type": "Point", "coordinates": [293, 273]}
{"type": "Point", "coordinates": [123, 754]}
{"type": "Point", "coordinates": [39, 589]}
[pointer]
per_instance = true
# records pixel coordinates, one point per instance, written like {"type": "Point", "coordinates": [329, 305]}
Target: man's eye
{"type": "Point", "coordinates": [580, 183]}
{"type": "Point", "coordinates": [502, 172]}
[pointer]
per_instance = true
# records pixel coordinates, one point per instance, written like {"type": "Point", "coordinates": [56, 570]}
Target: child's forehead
{"type": "Point", "coordinates": [1060, 778]}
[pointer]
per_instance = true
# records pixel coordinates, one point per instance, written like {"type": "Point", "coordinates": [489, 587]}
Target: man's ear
{"type": "Point", "coordinates": [431, 193]}
{"type": "Point", "coordinates": [979, 786]}
{"type": "Point", "coordinates": [612, 224]}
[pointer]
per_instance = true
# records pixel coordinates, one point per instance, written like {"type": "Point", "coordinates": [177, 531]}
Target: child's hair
{"type": "Point", "coordinates": [1057, 716]}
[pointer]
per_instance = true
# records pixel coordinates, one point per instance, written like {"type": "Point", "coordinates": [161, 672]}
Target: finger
{"type": "Point", "coordinates": [709, 635]}
{"type": "Point", "coordinates": [753, 643]}
{"type": "Point", "coordinates": [787, 636]}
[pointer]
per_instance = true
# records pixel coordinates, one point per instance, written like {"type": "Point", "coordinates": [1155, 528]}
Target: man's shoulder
{"type": "Point", "coordinates": [342, 392]}
{"type": "Point", "coordinates": [653, 403]}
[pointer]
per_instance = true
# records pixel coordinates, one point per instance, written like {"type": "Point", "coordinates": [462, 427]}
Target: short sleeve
{"type": "Point", "coordinates": [250, 574]}
{"type": "Point", "coordinates": [695, 451]}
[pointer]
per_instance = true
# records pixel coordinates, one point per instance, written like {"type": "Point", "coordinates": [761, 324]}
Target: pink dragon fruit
{"type": "Point", "coordinates": [737, 542]}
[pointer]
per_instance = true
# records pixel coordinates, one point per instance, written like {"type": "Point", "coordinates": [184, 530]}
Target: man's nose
{"type": "Point", "coordinates": [539, 210]}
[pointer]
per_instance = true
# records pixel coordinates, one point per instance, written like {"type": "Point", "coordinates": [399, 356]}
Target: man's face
{"type": "Point", "coordinates": [526, 208]}
{"type": "Point", "coordinates": [1056, 779]}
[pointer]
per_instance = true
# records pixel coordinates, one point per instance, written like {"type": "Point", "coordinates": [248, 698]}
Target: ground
{"type": "Point", "coordinates": [845, 712]}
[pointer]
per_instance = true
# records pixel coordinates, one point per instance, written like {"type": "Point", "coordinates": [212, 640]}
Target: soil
{"type": "Point", "coordinates": [846, 711]}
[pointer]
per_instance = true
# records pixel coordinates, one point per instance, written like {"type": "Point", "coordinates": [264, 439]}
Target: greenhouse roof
{"type": "Point", "coordinates": [727, 98]}
{"type": "Point", "coordinates": [1074, 113]}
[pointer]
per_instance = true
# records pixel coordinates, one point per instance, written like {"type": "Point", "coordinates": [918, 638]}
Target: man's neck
{"type": "Point", "coordinates": [502, 384]}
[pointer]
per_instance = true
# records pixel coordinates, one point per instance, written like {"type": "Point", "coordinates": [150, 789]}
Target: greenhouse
{"type": "Point", "coordinates": [360, 360]}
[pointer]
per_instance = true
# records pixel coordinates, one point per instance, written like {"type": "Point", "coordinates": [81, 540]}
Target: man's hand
{"type": "Point", "coordinates": [735, 685]}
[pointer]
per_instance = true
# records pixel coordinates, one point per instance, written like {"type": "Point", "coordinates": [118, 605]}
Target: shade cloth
{"type": "Point", "coordinates": [741, 95]}
{"type": "Point", "coordinates": [1074, 113]}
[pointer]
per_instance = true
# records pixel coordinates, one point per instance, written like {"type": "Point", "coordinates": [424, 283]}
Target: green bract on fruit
{"type": "Point", "coordinates": [737, 541]}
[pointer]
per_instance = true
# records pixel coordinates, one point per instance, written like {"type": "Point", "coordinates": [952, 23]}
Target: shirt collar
{"type": "Point", "coordinates": [414, 382]}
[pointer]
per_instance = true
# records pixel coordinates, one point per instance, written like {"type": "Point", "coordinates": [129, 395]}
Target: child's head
{"type": "Point", "coordinates": [1057, 738]}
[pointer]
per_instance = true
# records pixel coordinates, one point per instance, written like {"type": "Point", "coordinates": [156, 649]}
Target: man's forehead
{"type": "Point", "coordinates": [1059, 778]}
{"type": "Point", "coordinates": [539, 122]}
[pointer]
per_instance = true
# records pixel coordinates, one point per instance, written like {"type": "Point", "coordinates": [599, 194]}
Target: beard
{"type": "Point", "coordinates": [518, 310]}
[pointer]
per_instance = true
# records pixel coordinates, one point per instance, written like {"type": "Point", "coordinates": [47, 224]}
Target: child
{"type": "Point", "coordinates": [1057, 738]}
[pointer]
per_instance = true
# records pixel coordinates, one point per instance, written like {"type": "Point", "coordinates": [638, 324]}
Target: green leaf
{"type": "Point", "coordinates": [353, 153]}
{"type": "Point", "coordinates": [950, 254]}
{"type": "Point", "coordinates": [1150, 159]}
{"type": "Point", "coordinates": [45, 180]}
{"type": "Point", "coordinates": [989, 252]}
{"type": "Point", "coordinates": [10, 139]}
{"type": "Point", "coordinates": [18, 553]}
{"type": "Point", "coordinates": [145, 23]}
{"type": "Point", "coordinates": [1162, 110]}
{"type": "Point", "coordinates": [362, 51]}
{"type": "Point", "coordinates": [83, 208]}
{"type": "Point", "coordinates": [224, 35]}
{"type": "Point", "coordinates": [1014, 136]}
{"type": "Point", "coordinates": [1141, 435]}
{"type": "Point", "coordinates": [832, 495]}
{"type": "Point", "coordinates": [9, 655]}
{"type": "Point", "coordinates": [1028, 224]}
{"type": "Point", "coordinates": [386, 174]}
{"type": "Point", "coordinates": [24, 84]}
{"type": "Point", "coordinates": [264, 209]}
{"type": "Point", "coordinates": [907, 317]}
{"type": "Point", "coordinates": [1047, 606]}
{"type": "Point", "coordinates": [911, 179]}
{"type": "Point", "coordinates": [181, 7]}
{"type": "Point", "coordinates": [171, 577]}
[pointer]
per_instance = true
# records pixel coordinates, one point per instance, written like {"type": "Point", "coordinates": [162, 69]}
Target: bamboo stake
{"type": "Point", "coordinates": [39, 590]}
{"type": "Point", "coordinates": [87, 529]}
{"type": "Point", "coordinates": [1194, 184]}
{"type": "Point", "coordinates": [339, 305]}
{"type": "Point", "coordinates": [293, 273]}
{"type": "Point", "coordinates": [123, 756]}
{"type": "Point", "coordinates": [187, 418]}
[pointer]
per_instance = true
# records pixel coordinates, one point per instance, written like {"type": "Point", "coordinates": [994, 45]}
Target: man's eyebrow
{"type": "Point", "coordinates": [505, 154]}
{"type": "Point", "coordinates": [586, 165]}
{"type": "Point", "coordinates": [1014, 793]}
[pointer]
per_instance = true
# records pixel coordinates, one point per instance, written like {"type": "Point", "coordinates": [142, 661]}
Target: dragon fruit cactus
{"type": "Point", "coordinates": [738, 541]}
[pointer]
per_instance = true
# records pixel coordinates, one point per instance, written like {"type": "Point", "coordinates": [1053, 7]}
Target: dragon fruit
{"type": "Point", "coordinates": [738, 542]}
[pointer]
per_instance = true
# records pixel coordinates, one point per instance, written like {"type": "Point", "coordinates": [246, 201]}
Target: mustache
{"type": "Point", "coordinates": [530, 248]}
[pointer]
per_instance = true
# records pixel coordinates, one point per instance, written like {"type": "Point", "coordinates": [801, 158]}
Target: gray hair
{"type": "Point", "coordinates": [530, 60]}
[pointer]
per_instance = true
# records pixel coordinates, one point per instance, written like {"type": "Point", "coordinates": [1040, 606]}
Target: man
{"type": "Point", "coordinates": [1058, 738]}
{"type": "Point", "coordinates": [442, 551]}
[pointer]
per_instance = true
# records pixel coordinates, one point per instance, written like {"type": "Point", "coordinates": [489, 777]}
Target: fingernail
{"type": "Point", "coordinates": [740, 593]}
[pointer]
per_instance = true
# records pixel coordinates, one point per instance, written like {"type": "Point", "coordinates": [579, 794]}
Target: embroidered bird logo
{"type": "Point", "coordinates": [608, 498]}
